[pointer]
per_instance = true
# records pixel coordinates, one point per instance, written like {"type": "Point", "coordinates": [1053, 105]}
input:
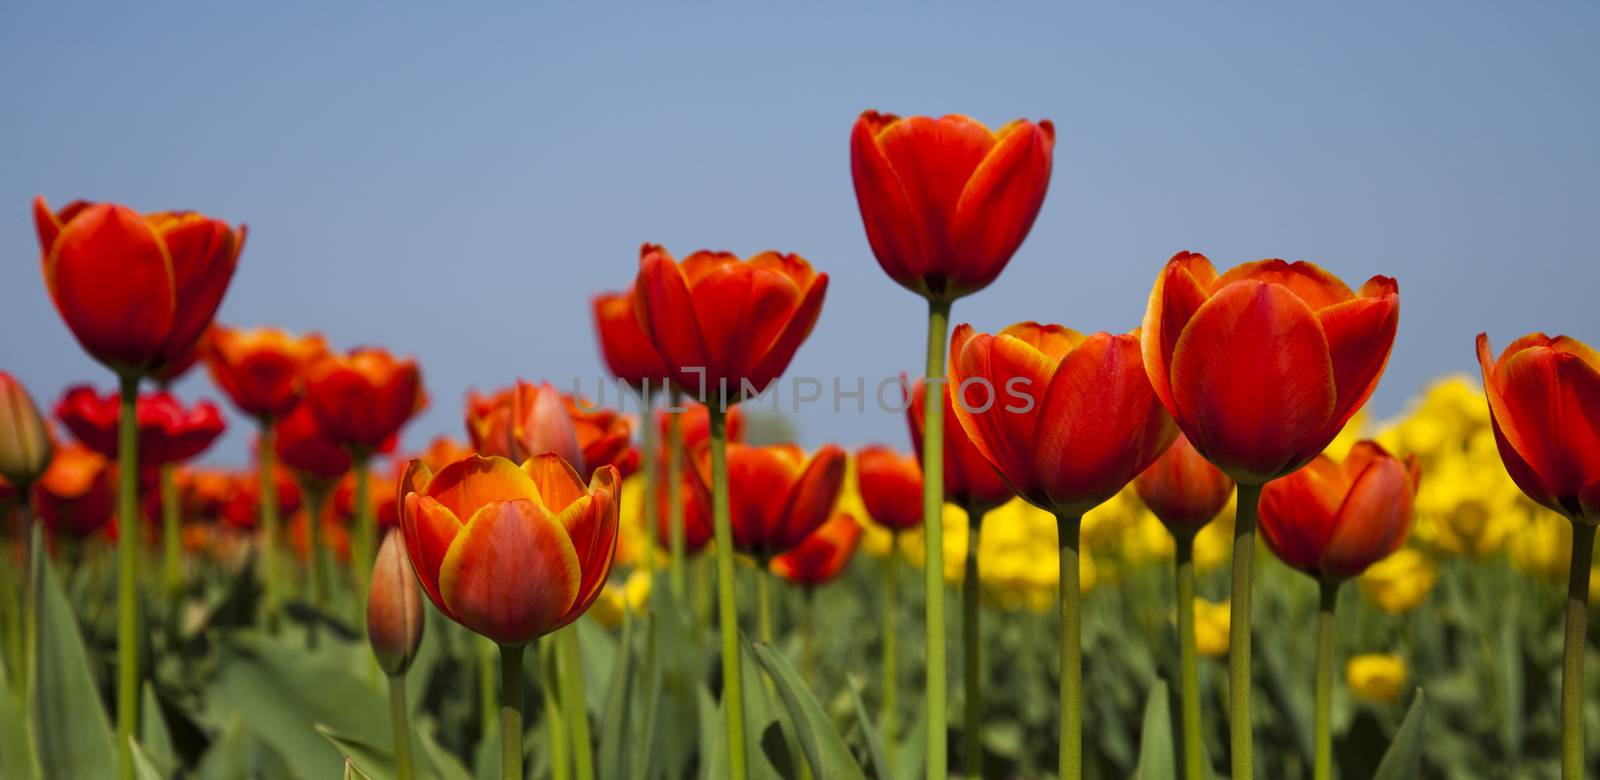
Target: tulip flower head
{"type": "Point", "coordinates": [74, 495]}
{"type": "Point", "coordinates": [261, 370]}
{"type": "Point", "coordinates": [170, 269]}
{"type": "Point", "coordinates": [1182, 489]}
{"type": "Point", "coordinates": [523, 420]}
{"type": "Point", "coordinates": [510, 552]}
{"type": "Point", "coordinates": [970, 481]}
{"type": "Point", "coordinates": [394, 608]}
{"type": "Point", "coordinates": [363, 398]}
{"type": "Point", "coordinates": [301, 445]}
{"type": "Point", "coordinates": [777, 496]}
{"type": "Point", "coordinates": [25, 445]}
{"type": "Point", "coordinates": [1068, 420]}
{"type": "Point", "coordinates": [627, 349]}
{"type": "Point", "coordinates": [947, 202]}
{"type": "Point", "coordinates": [1376, 677]}
{"type": "Point", "coordinates": [168, 432]}
{"type": "Point", "coordinates": [1544, 401]}
{"type": "Point", "coordinates": [890, 484]}
{"type": "Point", "coordinates": [726, 327]}
{"type": "Point", "coordinates": [823, 555]}
{"type": "Point", "coordinates": [1263, 365]}
{"type": "Point", "coordinates": [1334, 519]}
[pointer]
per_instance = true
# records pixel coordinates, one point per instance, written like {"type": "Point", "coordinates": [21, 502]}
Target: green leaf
{"type": "Point", "coordinates": [1403, 760]}
{"type": "Point", "coordinates": [615, 725]}
{"type": "Point", "coordinates": [445, 766]}
{"type": "Point", "coordinates": [68, 722]}
{"type": "Point", "coordinates": [16, 751]}
{"type": "Point", "coordinates": [645, 707]}
{"type": "Point", "coordinates": [869, 735]}
{"type": "Point", "coordinates": [371, 761]}
{"type": "Point", "coordinates": [1156, 755]}
{"type": "Point", "coordinates": [154, 738]}
{"type": "Point", "coordinates": [824, 749]}
{"type": "Point", "coordinates": [143, 769]}
{"type": "Point", "coordinates": [227, 759]}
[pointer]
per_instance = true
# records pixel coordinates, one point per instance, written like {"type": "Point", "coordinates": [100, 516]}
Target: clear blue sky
{"type": "Point", "coordinates": [455, 182]}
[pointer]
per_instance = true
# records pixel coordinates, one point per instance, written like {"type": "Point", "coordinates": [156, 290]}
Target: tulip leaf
{"type": "Point", "coordinates": [1156, 751]}
{"type": "Point", "coordinates": [154, 738]}
{"type": "Point", "coordinates": [16, 752]}
{"type": "Point", "coordinates": [1404, 757]}
{"type": "Point", "coordinates": [68, 721]}
{"type": "Point", "coordinates": [681, 655]}
{"type": "Point", "coordinates": [371, 761]}
{"type": "Point", "coordinates": [143, 768]}
{"type": "Point", "coordinates": [869, 735]}
{"type": "Point", "coordinates": [614, 760]}
{"type": "Point", "coordinates": [445, 766]}
{"type": "Point", "coordinates": [824, 749]}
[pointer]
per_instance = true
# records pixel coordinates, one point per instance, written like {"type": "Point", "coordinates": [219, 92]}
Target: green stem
{"type": "Point", "coordinates": [574, 701]}
{"type": "Point", "coordinates": [402, 732]}
{"type": "Point", "coordinates": [171, 542]}
{"type": "Point", "coordinates": [675, 532]}
{"type": "Point", "coordinates": [972, 659]}
{"type": "Point", "coordinates": [30, 604]}
{"type": "Point", "coordinates": [808, 647]}
{"type": "Point", "coordinates": [1573, 651]}
{"type": "Point", "coordinates": [488, 713]}
{"type": "Point", "coordinates": [127, 573]}
{"type": "Point", "coordinates": [1071, 741]}
{"type": "Point", "coordinates": [887, 719]}
{"type": "Point", "coordinates": [1244, 548]}
{"type": "Point", "coordinates": [319, 561]}
{"type": "Point", "coordinates": [933, 528]}
{"type": "Point", "coordinates": [763, 604]}
{"type": "Point", "coordinates": [1188, 663]}
{"type": "Point", "coordinates": [511, 712]}
{"type": "Point", "coordinates": [266, 456]}
{"type": "Point", "coordinates": [728, 611]}
{"type": "Point", "coordinates": [361, 547]}
{"type": "Point", "coordinates": [651, 483]}
{"type": "Point", "coordinates": [554, 715]}
{"type": "Point", "coordinates": [700, 569]}
{"type": "Point", "coordinates": [1322, 766]}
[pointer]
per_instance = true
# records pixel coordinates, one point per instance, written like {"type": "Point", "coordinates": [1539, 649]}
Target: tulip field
{"type": "Point", "coordinates": [1183, 551]}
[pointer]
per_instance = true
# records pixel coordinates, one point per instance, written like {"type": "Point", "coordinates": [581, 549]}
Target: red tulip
{"type": "Point", "coordinates": [727, 327]}
{"type": "Point", "coordinates": [203, 493]}
{"type": "Point", "coordinates": [394, 609]}
{"type": "Point", "coordinates": [694, 427]}
{"type": "Point", "coordinates": [302, 446]}
{"type": "Point", "coordinates": [776, 496]}
{"type": "Point", "coordinates": [25, 445]}
{"type": "Point", "coordinates": [1262, 366]}
{"type": "Point", "coordinates": [362, 399]}
{"type": "Point", "coordinates": [1332, 520]}
{"type": "Point", "coordinates": [1183, 489]}
{"type": "Point", "coordinates": [510, 552]}
{"type": "Point", "coordinates": [243, 510]}
{"type": "Point", "coordinates": [74, 496]}
{"type": "Point", "coordinates": [946, 201]}
{"type": "Point", "coordinates": [136, 291]}
{"type": "Point", "coordinates": [1544, 399]}
{"type": "Point", "coordinates": [823, 555]}
{"type": "Point", "coordinates": [891, 486]}
{"type": "Point", "coordinates": [604, 435]}
{"type": "Point", "coordinates": [174, 369]}
{"type": "Point", "coordinates": [168, 433]}
{"type": "Point", "coordinates": [970, 481]}
{"type": "Point", "coordinates": [1067, 419]}
{"type": "Point", "coordinates": [625, 346]}
{"type": "Point", "coordinates": [384, 509]}
{"type": "Point", "coordinates": [697, 527]}
{"type": "Point", "coordinates": [262, 370]}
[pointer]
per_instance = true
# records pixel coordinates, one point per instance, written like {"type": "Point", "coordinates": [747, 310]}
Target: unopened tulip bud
{"type": "Point", "coordinates": [394, 608]}
{"type": "Point", "coordinates": [25, 448]}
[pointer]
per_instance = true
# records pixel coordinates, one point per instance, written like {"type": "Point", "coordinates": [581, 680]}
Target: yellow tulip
{"type": "Point", "coordinates": [1377, 677]}
{"type": "Point", "coordinates": [1211, 623]}
{"type": "Point", "coordinates": [1400, 582]}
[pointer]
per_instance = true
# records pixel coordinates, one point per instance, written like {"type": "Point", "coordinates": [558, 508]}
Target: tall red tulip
{"type": "Point", "coordinates": [1544, 400]}
{"type": "Point", "coordinates": [890, 484]}
{"type": "Point", "coordinates": [726, 327]}
{"type": "Point", "coordinates": [262, 370]}
{"type": "Point", "coordinates": [604, 435]}
{"type": "Point", "coordinates": [1261, 367]}
{"type": "Point", "coordinates": [778, 495]}
{"type": "Point", "coordinates": [523, 420]}
{"type": "Point", "coordinates": [1183, 490]}
{"type": "Point", "coordinates": [363, 398]}
{"type": "Point", "coordinates": [171, 270]}
{"type": "Point", "coordinates": [315, 459]}
{"type": "Point", "coordinates": [822, 556]}
{"type": "Point", "coordinates": [970, 481]}
{"type": "Point", "coordinates": [625, 345]}
{"type": "Point", "coordinates": [168, 432]}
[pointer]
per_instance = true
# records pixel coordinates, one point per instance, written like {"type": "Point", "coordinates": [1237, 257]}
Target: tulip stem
{"type": "Point", "coordinates": [675, 532]}
{"type": "Point", "coordinates": [361, 547]}
{"type": "Point", "coordinates": [1573, 651]}
{"type": "Point", "coordinates": [728, 611]}
{"type": "Point", "coordinates": [171, 544]}
{"type": "Point", "coordinates": [887, 720]}
{"type": "Point", "coordinates": [1188, 664]}
{"type": "Point", "coordinates": [30, 594]}
{"type": "Point", "coordinates": [1071, 747]}
{"type": "Point", "coordinates": [402, 732]}
{"type": "Point", "coordinates": [933, 528]}
{"type": "Point", "coordinates": [972, 660]}
{"type": "Point", "coordinates": [319, 561]}
{"type": "Point", "coordinates": [808, 645]}
{"type": "Point", "coordinates": [574, 701]}
{"type": "Point", "coordinates": [555, 720]}
{"type": "Point", "coordinates": [511, 712]}
{"type": "Point", "coordinates": [764, 605]}
{"type": "Point", "coordinates": [1244, 547]}
{"type": "Point", "coordinates": [127, 571]}
{"type": "Point", "coordinates": [269, 525]}
{"type": "Point", "coordinates": [1322, 766]}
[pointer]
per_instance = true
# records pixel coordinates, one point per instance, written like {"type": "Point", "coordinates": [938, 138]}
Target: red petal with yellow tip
{"type": "Point", "coordinates": [998, 205]}
{"type": "Point", "coordinates": [592, 526]}
{"type": "Point", "coordinates": [1180, 291]}
{"type": "Point", "coordinates": [1318, 288]}
{"type": "Point", "coordinates": [511, 574]}
{"type": "Point", "coordinates": [558, 484]}
{"type": "Point", "coordinates": [464, 486]}
{"type": "Point", "coordinates": [430, 528]}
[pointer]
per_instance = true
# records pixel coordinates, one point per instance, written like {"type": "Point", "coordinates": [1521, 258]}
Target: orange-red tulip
{"type": "Point", "coordinates": [394, 608]}
{"type": "Point", "coordinates": [946, 202]}
{"type": "Point", "coordinates": [1332, 520]}
{"type": "Point", "coordinates": [136, 290]}
{"type": "Point", "coordinates": [604, 435]}
{"type": "Point", "coordinates": [1067, 419]}
{"type": "Point", "coordinates": [1262, 366]}
{"type": "Point", "coordinates": [363, 398]}
{"type": "Point", "coordinates": [168, 433]}
{"type": "Point", "coordinates": [776, 496]}
{"type": "Point", "coordinates": [823, 555]}
{"type": "Point", "coordinates": [25, 446]}
{"type": "Point", "coordinates": [1544, 399]}
{"type": "Point", "coordinates": [726, 327]}
{"type": "Point", "coordinates": [243, 510]}
{"type": "Point", "coordinates": [262, 369]}
{"type": "Point", "coordinates": [74, 495]}
{"type": "Point", "coordinates": [1183, 489]}
{"type": "Point", "coordinates": [625, 346]}
{"type": "Point", "coordinates": [302, 446]}
{"type": "Point", "coordinates": [970, 481]}
{"type": "Point", "coordinates": [890, 484]}
{"type": "Point", "coordinates": [523, 420]}
{"type": "Point", "coordinates": [510, 552]}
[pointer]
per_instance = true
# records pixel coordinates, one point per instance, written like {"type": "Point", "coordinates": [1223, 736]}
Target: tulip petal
{"type": "Point", "coordinates": [894, 229]}
{"type": "Point", "coordinates": [558, 483]}
{"type": "Point", "coordinates": [121, 324]}
{"type": "Point", "coordinates": [795, 331]}
{"type": "Point", "coordinates": [1000, 385]}
{"type": "Point", "coordinates": [1298, 513]}
{"type": "Point", "coordinates": [511, 573]}
{"type": "Point", "coordinates": [1373, 520]}
{"type": "Point", "coordinates": [1318, 288]}
{"type": "Point", "coordinates": [430, 528]}
{"type": "Point", "coordinates": [204, 254]}
{"type": "Point", "coordinates": [467, 484]}
{"type": "Point", "coordinates": [1360, 335]}
{"type": "Point", "coordinates": [998, 206]}
{"type": "Point", "coordinates": [1253, 382]}
{"type": "Point", "coordinates": [661, 297]}
{"type": "Point", "coordinates": [741, 310]}
{"type": "Point", "coordinates": [811, 500]}
{"type": "Point", "coordinates": [1179, 292]}
{"type": "Point", "coordinates": [1554, 398]}
{"type": "Point", "coordinates": [591, 524]}
{"type": "Point", "coordinates": [934, 159]}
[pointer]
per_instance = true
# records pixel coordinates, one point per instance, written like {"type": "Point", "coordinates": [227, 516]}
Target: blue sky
{"type": "Point", "coordinates": [454, 182]}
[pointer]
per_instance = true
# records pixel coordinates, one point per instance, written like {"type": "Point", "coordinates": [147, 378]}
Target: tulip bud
{"type": "Point", "coordinates": [25, 448]}
{"type": "Point", "coordinates": [394, 608]}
